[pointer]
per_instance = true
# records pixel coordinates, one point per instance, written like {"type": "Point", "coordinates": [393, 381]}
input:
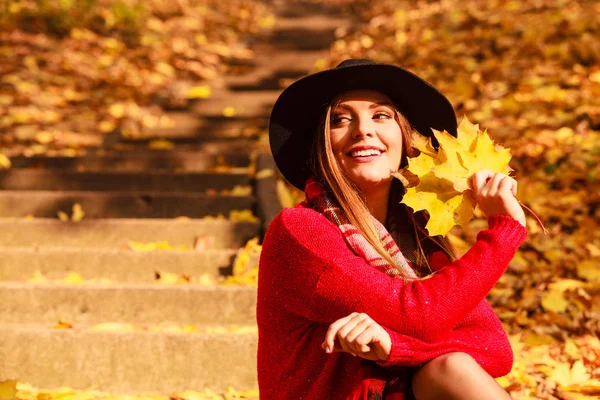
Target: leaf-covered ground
{"type": "Point", "coordinates": [10, 390]}
{"type": "Point", "coordinates": [529, 73]}
{"type": "Point", "coordinates": [74, 71]}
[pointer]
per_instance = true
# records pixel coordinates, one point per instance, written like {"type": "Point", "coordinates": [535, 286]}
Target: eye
{"type": "Point", "coordinates": [382, 115]}
{"type": "Point", "coordinates": [338, 119]}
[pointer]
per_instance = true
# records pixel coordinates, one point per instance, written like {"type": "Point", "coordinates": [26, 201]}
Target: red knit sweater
{"type": "Point", "coordinates": [309, 278]}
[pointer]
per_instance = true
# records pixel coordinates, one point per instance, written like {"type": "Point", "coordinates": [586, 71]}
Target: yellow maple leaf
{"type": "Point", "coordinates": [446, 206]}
{"type": "Point", "coordinates": [555, 301]}
{"type": "Point", "coordinates": [444, 187]}
{"type": "Point", "coordinates": [486, 155]}
{"type": "Point", "coordinates": [78, 213]}
{"type": "Point", "coordinates": [423, 144]}
{"type": "Point", "coordinates": [569, 377]}
{"type": "Point", "coordinates": [421, 165]}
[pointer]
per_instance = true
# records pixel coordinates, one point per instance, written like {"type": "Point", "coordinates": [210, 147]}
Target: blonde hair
{"type": "Point", "coordinates": [349, 196]}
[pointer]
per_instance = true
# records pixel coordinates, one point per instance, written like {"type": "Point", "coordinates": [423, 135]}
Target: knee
{"type": "Point", "coordinates": [453, 364]}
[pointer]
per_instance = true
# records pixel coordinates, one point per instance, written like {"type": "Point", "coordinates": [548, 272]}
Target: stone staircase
{"type": "Point", "coordinates": [131, 193]}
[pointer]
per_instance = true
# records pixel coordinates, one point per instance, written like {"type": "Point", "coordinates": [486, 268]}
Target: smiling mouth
{"type": "Point", "coordinates": [364, 153]}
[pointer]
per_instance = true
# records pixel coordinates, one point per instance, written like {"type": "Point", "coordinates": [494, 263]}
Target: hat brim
{"type": "Point", "coordinates": [301, 106]}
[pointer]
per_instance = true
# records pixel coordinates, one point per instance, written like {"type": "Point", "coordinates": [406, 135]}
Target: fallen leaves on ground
{"type": "Point", "coordinates": [15, 390]}
{"type": "Point", "coordinates": [245, 265]}
{"type": "Point", "coordinates": [237, 191]}
{"type": "Point", "coordinates": [545, 366]}
{"type": "Point", "coordinates": [244, 268]}
{"type": "Point", "coordinates": [76, 216]}
{"type": "Point", "coordinates": [72, 72]}
{"type": "Point", "coordinates": [161, 245]}
{"type": "Point", "coordinates": [71, 278]}
{"type": "Point", "coordinates": [235, 215]}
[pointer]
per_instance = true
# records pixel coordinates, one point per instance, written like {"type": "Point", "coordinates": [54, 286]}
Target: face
{"type": "Point", "coordinates": [366, 138]}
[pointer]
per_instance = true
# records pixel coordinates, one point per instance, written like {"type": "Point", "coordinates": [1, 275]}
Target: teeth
{"type": "Point", "coordinates": [365, 153]}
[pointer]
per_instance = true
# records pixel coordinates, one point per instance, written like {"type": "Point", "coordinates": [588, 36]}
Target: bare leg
{"type": "Point", "coordinates": [456, 376]}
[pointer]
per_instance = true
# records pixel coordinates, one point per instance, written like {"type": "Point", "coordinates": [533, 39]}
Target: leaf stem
{"type": "Point", "coordinates": [535, 216]}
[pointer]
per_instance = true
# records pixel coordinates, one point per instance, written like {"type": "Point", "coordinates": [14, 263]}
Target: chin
{"type": "Point", "coordinates": [365, 182]}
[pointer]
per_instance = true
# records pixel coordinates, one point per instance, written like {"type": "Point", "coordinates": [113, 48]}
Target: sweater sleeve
{"type": "Point", "coordinates": [321, 279]}
{"type": "Point", "coordinates": [481, 335]}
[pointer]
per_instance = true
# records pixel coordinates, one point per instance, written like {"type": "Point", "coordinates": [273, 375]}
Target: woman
{"type": "Point", "coordinates": [345, 309]}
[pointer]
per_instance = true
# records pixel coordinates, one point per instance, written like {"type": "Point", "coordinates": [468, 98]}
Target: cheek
{"type": "Point", "coordinates": [395, 149]}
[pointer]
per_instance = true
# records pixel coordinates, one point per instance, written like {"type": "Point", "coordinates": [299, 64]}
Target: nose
{"type": "Point", "coordinates": [363, 127]}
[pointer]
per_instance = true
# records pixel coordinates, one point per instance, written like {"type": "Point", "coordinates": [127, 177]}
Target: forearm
{"type": "Point", "coordinates": [480, 335]}
{"type": "Point", "coordinates": [493, 354]}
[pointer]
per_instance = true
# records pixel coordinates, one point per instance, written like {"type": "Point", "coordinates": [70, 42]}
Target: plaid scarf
{"type": "Point", "coordinates": [374, 382]}
{"type": "Point", "coordinates": [320, 201]}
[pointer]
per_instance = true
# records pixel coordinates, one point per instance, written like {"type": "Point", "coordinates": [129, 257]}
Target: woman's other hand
{"type": "Point", "coordinates": [360, 336]}
{"type": "Point", "coordinates": [495, 194]}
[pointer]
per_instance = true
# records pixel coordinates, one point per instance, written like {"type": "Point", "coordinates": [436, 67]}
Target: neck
{"type": "Point", "coordinates": [377, 201]}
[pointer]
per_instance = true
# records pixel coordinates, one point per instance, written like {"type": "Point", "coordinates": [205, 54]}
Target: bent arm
{"type": "Point", "coordinates": [306, 257]}
{"type": "Point", "coordinates": [481, 336]}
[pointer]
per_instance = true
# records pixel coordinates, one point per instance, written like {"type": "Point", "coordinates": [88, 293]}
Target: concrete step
{"type": "Point", "coordinates": [208, 127]}
{"type": "Point", "coordinates": [274, 67]}
{"type": "Point", "coordinates": [47, 204]}
{"type": "Point", "coordinates": [54, 263]}
{"type": "Point", "coordinates": [116, 233]}
{"type": "Point", "coordinates": [138, 161]}
{"type": "Point", "coordinates": [188, 144]}
{"type": "Point", "coordinates": [303, 37]}
{"type": "Point", "coordinates": [140, 303]}
{"type": "Point", "coordinates": [155, 181]}
{"type": "Point", "coordinates": [128, 362]}
{"type": "Point", "coordinates": [251, 104]}
{"type": "Point", "coordinates": [309, 21]}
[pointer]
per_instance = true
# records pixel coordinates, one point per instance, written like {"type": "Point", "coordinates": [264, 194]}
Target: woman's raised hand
{"type": "Point", "coordinates": [495, 194]}
{"type": "Point", "coordinates": [360, 336]}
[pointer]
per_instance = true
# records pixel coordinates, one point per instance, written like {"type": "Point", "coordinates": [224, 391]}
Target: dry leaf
{"type": "Point", "coordinates": [444, 177]}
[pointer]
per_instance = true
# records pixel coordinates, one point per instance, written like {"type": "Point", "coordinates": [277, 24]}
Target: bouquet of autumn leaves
{"type": "Point", "coordinates": [444, 176]}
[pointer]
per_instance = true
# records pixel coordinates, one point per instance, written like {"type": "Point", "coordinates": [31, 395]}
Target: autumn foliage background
{"type": "Point", "coordinates": [72, 72]}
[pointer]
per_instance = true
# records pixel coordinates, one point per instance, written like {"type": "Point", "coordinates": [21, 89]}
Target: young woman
{"type": "Point", "coordinates": [355, 300]}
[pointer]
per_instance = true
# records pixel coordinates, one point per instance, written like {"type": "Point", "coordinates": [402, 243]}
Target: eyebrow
{"type": "Point", "coordinates": [374, 105]}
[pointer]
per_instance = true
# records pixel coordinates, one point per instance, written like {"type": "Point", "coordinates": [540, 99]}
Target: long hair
{"type": "Point", "coordinates": [352, 202]}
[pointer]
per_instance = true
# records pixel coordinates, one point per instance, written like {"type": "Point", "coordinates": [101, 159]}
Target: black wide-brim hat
{"type": "Point", "coordinates": [301, 107]}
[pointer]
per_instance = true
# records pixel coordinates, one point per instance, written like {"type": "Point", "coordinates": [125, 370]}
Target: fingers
{"type": "Point", "coordinates": [346, 330]}
{"type": "Point", "coordinates": [480, 178]}
{"type": "Point", "coordinates": [506, 186]}
{"type": "Point", "coordinates": [331, 334]}
{"type": "Point", "coordinates": [358, 338]}
{"type": "Point", "coordinates": [486, 183]}
{"type": "Point", "coordinates": [496, 194]}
